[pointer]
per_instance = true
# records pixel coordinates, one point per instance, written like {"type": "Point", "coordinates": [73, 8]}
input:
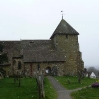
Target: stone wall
{"type": "Point", "coordinates": [69, 46]}
{"type": "Point", "coordinates": [17, 66]}
{"type": "Point", "coordinates": [43, 66]}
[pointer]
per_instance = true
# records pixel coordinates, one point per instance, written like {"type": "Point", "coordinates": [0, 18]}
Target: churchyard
{"type": "Point", "coordinates": [86, 91]}
{"type": "Point", "coordinates": [71, 82]}
{"type": "Point", "coordinates": [28, 88]}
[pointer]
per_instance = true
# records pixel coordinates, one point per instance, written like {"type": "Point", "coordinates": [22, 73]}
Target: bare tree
{"type": "Point", "coordinates": [89, 71]}
{"type": "Point", "coordinates": [84, 72]}
{"type": "Point", "coordinates": [79, 74]}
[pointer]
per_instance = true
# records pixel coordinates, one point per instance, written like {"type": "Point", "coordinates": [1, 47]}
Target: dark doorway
{"type": "Point", "coordinates": [48, 71]}
{"type": "Point", "coordinates": [19, 65]}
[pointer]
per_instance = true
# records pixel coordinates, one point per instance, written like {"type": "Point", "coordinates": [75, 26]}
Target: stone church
{"type": "Point", "coordinates": [60, 53]}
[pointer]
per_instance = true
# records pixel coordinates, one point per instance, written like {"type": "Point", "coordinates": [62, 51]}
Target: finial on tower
{"type": "Point", "coordinates": [62, 14]}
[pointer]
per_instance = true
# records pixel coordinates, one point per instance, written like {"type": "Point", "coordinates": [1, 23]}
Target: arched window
{"type": "Point", "coordinates": [19, 65]}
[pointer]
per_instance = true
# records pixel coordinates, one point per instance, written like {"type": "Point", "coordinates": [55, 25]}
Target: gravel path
{"type": "Point", "coordinates": [62, 92]}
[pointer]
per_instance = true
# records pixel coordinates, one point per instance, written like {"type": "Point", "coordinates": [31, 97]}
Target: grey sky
{"type": "Point", "coordinates": [37, 19]}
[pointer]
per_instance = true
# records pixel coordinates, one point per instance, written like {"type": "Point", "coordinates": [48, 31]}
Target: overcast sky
{"type": "Point", "coordinates": [37, 19]}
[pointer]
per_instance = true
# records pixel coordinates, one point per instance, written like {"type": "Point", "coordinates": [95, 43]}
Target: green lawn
{"type": "Point", "coordinates": [74, 82]}
{"type": "Point", "coordinates": [28, 89]}
{"type": "Point", "coordinates": [86, 93]}
{"type": "Point", "coordinates": [49, 90]}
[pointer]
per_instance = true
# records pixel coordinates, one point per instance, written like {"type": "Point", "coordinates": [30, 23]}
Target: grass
{"type": "Point", "coordinates": [74, 82]}
{"type": "Point", "coordinates": [49, 90]}
{"type": "Point", "coordinates": [86, 93]}
{"type": "Point", "coordinates": [28, 89]}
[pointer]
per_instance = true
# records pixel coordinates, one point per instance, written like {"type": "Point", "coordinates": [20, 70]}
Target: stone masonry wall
{"type": "Point", "coordinates": [43, 66]}
{"type": "Point", "coordinates": [14, 66]}
{"type": "Point", "coordinates": [69, 46]}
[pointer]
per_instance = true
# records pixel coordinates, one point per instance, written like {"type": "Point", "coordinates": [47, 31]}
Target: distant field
{"type": "Point", "coordinates": [28, 89]}
{"type": "Point", "coordinates": [74, 82]}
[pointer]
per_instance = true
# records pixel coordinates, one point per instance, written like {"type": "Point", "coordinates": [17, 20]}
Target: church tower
{"type": "Point", "coordinates": [65, 39]}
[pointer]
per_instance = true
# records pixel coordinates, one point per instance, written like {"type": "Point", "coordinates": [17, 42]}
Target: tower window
{"type": "Point", "coordinates": [66, 36]}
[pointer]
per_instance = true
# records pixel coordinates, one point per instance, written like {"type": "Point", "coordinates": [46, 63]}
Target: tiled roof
{"type": "Point", "coordinates": [42, 56]}
{"type": "Point", "coordinates": [33, 50]}
{"type": "Point", "coordinates": [64, 28]}
{"type": "Point", "coordinates": [11, 47]}
{"type": "Point", "coordinates": [36, 44]}
{"type": "Point", "coordinates": [40, 51]}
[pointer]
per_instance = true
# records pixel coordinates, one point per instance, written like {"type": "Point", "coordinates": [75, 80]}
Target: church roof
{"type": "Point", "coordinates": [36, 44]}
{"type": "Point", "coordinates": [64, 28]}
{"type": "Point", "coordinates": [42, 56]}
{"type": "Point", "coordinates": [40, 51]}
{"type": "Point", "coordinates": [11, 47]}
{"type": "Point", "coordinates": [33, 50]}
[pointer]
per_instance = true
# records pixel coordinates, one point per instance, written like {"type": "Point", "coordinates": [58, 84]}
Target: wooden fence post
{"type": "Point", "coordinates": [40, 83]}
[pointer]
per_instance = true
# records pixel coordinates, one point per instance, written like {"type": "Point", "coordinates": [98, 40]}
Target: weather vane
{"type": "Point", "coordinates": [62, 14]}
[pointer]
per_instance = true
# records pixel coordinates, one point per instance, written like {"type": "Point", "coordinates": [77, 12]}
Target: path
{"type": "Point", "coordinates": [62, 92]}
